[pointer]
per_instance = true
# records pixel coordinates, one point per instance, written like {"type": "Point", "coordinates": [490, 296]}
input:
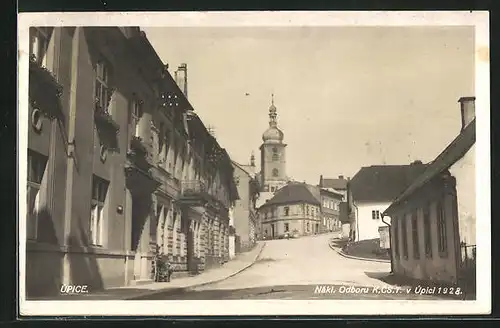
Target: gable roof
{"type": "Point", "coordinates": [339, 184]}
{"type": "Point", "coordinates": [293, 193]}
{"type": "Point", "coordinates": [240, 166]}
{"type": "Point", "coordinates": [449, 156]}
{"type": "Point", "coordinates": [383, 183]}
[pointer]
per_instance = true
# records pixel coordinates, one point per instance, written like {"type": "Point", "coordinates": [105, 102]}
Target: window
{"type": "Point", "coordinates": [287, 227]}
{"type": "Point", "coordinates": [427, 231]}
{"type": "Point", "coordinates": [275, 154]}
{"type": "Point", "coordinates": [441, 227]}
{"type": "Point", "coordinates": [404, 233]}
{"type": "Point", "coordinates": [39, 43]}
{"type": "Point", "coordinates": [396, 236]}
{"type": "Point", "coordinates": [275, 172]}
{"type": "Point", "coordinates": [136, 115]}
{"type": "Point", "coordinates": [375, 215]}
{"type": "Point", "coordinates": [307, 210]}
{"type": "Point", "coordinates": [99, 191]}
{"type": "Point", "coordinates": [287, 210]}
{"type": "Point", "coordinates": [161, 142]}
{"type": "Point", "coordinates": [414, 233]}
{"type": "Point", "coordinates": [102, 89]}
{"type": "Point", "coordinates": [36, 169]}
{"type": "Point", "coordinates": [307, 227]}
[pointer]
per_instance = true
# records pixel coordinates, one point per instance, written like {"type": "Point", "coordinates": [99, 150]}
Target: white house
{"type": "Point", "coordinates": [372, 191]}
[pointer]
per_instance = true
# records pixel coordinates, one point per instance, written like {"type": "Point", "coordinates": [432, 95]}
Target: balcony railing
{"type": "Point", "coordinates": [193, 188]}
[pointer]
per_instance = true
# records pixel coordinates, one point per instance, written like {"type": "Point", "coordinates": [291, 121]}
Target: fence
{"type": "Point", "coordinates": [467, 274]}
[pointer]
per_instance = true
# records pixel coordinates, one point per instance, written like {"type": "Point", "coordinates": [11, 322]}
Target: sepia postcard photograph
{"type": "Point", "coordinates": [254, 163]}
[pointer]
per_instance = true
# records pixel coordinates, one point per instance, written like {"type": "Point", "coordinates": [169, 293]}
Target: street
{"type": "Point", "coordinates": [303, 268]}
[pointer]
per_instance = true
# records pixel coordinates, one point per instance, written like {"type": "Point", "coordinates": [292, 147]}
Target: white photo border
{"type": "Point", "coordinates": [478, 19]}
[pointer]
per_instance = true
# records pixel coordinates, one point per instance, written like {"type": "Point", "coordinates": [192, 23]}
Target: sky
{"type": "Point", "coordinates": [346, 97]}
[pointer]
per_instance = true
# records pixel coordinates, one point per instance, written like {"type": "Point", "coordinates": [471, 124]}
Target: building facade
{"type": "Point", "coordinates": [433, 220]}
{"type": "Point", "coordinates": [293, 210]}
{"type": "Point", "coordinates": [330, 210]}
{"type": "Point", "coordinates": [117, 165]}
{"type": "Point", "coordinates": [245, 211]}
{"type": "Point", "coordinates": [370, 193]}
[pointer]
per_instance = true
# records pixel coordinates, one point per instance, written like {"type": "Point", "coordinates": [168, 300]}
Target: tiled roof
{"type": "Point", "coordinates": [294, 192]}
{"type": "Point", "coordinates": [450, 155]}
{"type": "Point", "coordinates": [383, 183]}
{"type": "Point", "coordinates": [339, 184]}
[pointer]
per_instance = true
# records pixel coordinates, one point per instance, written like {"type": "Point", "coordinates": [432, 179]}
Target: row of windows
{"type": "Point", "coordinates": [37, 164]}
{"type": "Point", "coordinates": [309, 210]}
{"type": "Point", "coordinates": [330, 204]}
{"type": "Point", "coordinates": [308, 227]}
{"type": "Point", "coordinates": [441, 232]}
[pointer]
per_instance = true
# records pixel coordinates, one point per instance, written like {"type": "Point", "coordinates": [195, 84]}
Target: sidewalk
{"type": "Point", "coordinates": [342, 253]}
{"type": "Point", "coordinates": [229, 269]}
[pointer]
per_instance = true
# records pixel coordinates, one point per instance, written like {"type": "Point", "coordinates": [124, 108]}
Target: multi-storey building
{"type": "Point", "coordinates": [245, 211]}
{"type": "Point", "coordinates": [118, 164]}
{"type": "Point", "coordinates": [295, 209]}
{"type": "Point", "coordinates": [330, 210]}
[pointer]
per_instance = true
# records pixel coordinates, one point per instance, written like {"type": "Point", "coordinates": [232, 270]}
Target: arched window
{"type": "Point", "coordinates": [275, 172]}
{"type": "Point", "coordinates": [275, 154]}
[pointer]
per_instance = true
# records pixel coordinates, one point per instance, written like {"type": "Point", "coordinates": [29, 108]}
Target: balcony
{"type": "Point", "coordinates": [104, 119]}
{"type": "Point", "coordinates": [44, 90]}
{"type": "Point", "coordinates": [195, 193]}
{"type": "Point", "coordinates": [138, 154]}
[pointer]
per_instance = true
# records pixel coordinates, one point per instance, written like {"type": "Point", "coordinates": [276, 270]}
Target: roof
{"type": "Point", "coordinates": [293, 193]}
{"type": "Point", "coordinates": [240, 166]}
{"type": "Point", "coordinates": [339, 184]}
{"type": "Point", "coordinates": [449, 156]}
{"type": "Point", "coordinates": [331, 192]}
{"type": "Point", "coordinates": [383, 183]}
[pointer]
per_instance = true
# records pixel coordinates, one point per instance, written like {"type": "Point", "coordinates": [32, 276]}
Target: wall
{"type": "Point", "coordinates": [367, 228]}
{"type": "Point", "coordinates": [242, 206]}
{"type": "Point", "coordinates": [298, 219]}
{"type": "Point", "coordinates": [464, 172]}
{"type": "Point", "coordinates": [438, 267]}
{"type": "Point", "coordinates": [268, 164]}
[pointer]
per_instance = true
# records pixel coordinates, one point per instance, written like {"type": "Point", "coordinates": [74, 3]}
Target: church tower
{"type": "Point", "coordinates": [272, 155]}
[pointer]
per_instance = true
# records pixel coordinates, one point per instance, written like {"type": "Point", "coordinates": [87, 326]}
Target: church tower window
{"type": "Point", "coordinates": [275, 154]}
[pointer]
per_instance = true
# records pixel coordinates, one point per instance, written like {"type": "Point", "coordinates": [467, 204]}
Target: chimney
{"type": "Point", "coordinates": [321, 180]}
{"type": "Point", "coordinates": [181, 78]}
{"type": "Point", "coordinates": [467, 110]}
{"type": "Point", "coordinates": [252, 160]}
{"type": "Point", "coordinates": [341, 177]}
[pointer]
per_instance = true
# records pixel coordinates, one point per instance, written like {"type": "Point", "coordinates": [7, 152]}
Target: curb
{"type": "Point", "coordinates": [341, 253]}
{"type": "Point", "coordinates": [176, 290]}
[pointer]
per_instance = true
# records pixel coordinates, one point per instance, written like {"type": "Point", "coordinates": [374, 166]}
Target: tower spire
{"type": "Point", "coordinates": [272, 113]}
